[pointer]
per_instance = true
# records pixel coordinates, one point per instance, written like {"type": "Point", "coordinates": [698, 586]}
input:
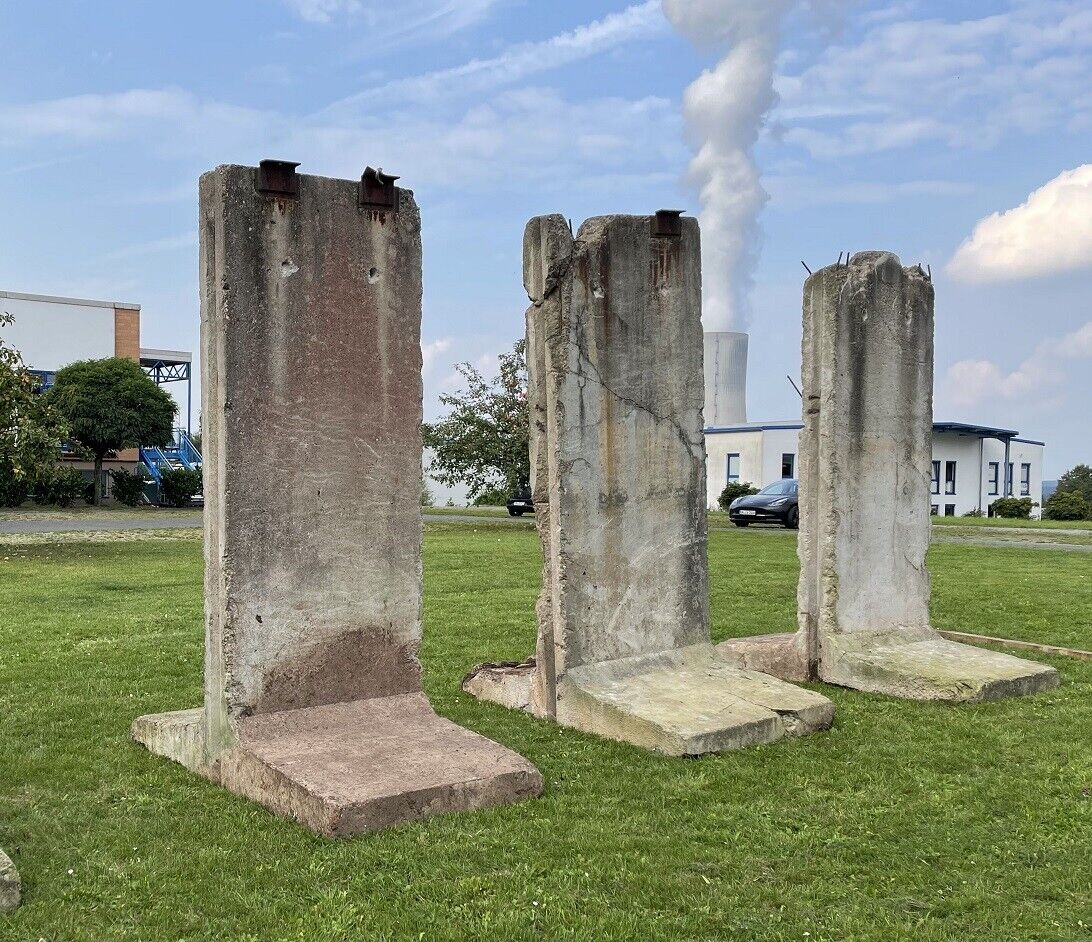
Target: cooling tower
{"type": "Point", "coordinates": [725, 378]}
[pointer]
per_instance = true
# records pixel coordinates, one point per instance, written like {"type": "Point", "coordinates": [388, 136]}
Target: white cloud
{"type": "Point", "coordinates": [965, 83]}
{"type": "Point", "coordinates": [390, 19]}
{"type": "Point", "coordinates": [322, 11]}
{"type": "Point", "coordinates": [971, 382]}
{"type": "Point", "coordinates": [431, 350]}
{"type": "Point", "coordinates": [518, 62]}
{"type": "Point", "coordinates": [1050, 232]}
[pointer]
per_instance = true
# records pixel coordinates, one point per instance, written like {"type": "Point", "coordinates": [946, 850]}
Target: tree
{"type": "Point", "coordinates": [1065, 505]}
{"type": "Point", "coordinates": [31, 431]}
{"type": "Point", "coordinates": [482, 442]}
{"type": "Point", "coordinates": [110, 405]}
{"type": "Point", "coordinates": [1078, 479]}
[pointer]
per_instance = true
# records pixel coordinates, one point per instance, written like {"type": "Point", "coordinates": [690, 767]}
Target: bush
{"type": "Point", "coordinates": [59, 486]}
{"type": "Point", "coordinates": [493, 497]}
{"type": "Point", "coordinates": [973, 513]}
{"type": "Point", "coordinates": [178, 486]}
{"type": "Point", "coordinates": [127, 486]}
{"type": "Point", "coordinates": [733, 490]}
{"type": "Point", "coordinates": [14, 488]}
{"type": "Point", "coordinates": [1013, 508]}
{"type": "Point", "coordinates": [1066, 505]}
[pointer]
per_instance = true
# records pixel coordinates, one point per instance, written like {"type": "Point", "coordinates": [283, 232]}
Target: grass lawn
{"type": "Point", "coordinates": [906, 821]}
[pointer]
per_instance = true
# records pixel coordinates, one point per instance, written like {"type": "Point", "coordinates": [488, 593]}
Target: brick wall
{"type": "Point", "coordinates": [127, 345]}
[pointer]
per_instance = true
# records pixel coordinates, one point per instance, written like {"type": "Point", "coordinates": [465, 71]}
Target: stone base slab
{"type": "Point", "coordinates": [682, 703]}
{"type": "Point", "coordinates": [924, 666]}
{"type": "Point", "coordinates": [509, 683]}
{"type": "Point", "coordinates": [348, 768]}
{"type": "Point", "coordinates": [780, 655]}
{"type": "Point", "coordinates": [11, 886]}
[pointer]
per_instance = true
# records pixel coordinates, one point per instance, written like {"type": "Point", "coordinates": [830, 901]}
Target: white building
{"type": "Point", "coordinates": [968, 462]}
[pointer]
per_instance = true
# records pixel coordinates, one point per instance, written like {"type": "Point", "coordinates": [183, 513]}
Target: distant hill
{"type": "Point", "coordinates": [1049, 487]}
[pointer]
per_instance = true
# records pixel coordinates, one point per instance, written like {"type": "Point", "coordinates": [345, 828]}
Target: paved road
{"type": "Point", "coordinates": [173, 523]}
{"type": "Point", "coordinates": [122, 523]}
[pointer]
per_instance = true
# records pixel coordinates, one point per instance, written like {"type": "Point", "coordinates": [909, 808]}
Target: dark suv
{"type": "Point", "coordinates": [775, 503]}
{"type": "Point", "coordinates": [521, 503]}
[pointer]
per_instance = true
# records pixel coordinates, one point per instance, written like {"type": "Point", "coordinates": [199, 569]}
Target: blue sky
{"type": "Point", "coordinates": [899, 125]}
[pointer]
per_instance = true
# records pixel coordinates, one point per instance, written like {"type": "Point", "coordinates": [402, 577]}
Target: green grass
{"type": "Point", "coordinates": [906, 821]}
{"type": "Point", "coordinates": [1006, 522]}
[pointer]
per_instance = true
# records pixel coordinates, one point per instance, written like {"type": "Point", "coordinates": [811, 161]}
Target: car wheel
{"type": "Point", "coordinates": [515, 513]}
{"type": "Point", "coordinates": [740, 523]}
{"type": "Point", "coordinates": [792, 521]}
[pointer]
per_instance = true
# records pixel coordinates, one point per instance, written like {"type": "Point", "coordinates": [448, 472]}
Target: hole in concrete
{"type": "Point", "coordinates": [373, 275]}
{"type": "Point", "coordinates": [259, 618]}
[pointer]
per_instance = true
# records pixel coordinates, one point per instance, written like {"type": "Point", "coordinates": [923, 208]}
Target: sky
{"type": "Point", "coordinates": [957, 134]}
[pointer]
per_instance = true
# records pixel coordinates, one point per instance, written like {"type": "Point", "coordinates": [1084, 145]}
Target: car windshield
{"type": "Point", "coordinates": [780, 488]}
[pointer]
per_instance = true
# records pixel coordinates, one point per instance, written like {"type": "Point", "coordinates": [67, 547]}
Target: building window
{"type": "Point", "coordinates": [936, 478]}
{"type": "Point", "coordinates": [934, 509]}
{"type": "Point", "coordinates": [788, 466]}
{"type": "Point", "coordinates": [1008, 480]}
{"type": "Point", "coordinates": [949, 510]}
{"type": "Point", "coordinates": [1025, 480]}
{"type": "Point", "coordinates": [949, 477]}
{"type": "Point", "coordinates": [995, 475]}
{"type": "Point", "coordinates": [732, 469]}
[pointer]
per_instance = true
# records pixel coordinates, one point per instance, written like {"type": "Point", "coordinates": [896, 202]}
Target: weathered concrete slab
{"type": "Point", "coordinates": [688, 702]}
{"type": "Point", "coordinates": [781, 655]}
{"type": "Point", "coordinates": [349, 768]}
{"type": "Point", "coordinates": [616, 388]}
{"type": "Point", "coordinates": [11, 886]}
{"type": "Point", "coordinates": [865, 453]}
{"type": "Point", "coordinates": [179, 736]}
{"type": "Point", "coordinates": [311, 360]}
{"type": "Point", "coordinates": [927, 667]}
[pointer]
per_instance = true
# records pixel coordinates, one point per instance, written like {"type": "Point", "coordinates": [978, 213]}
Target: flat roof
{"type": "Point", "coordinates": [166, 356]}
{"type": "Point", "coordinates": [980, 431]}
{"type": "Point", "coordinates": [959, 428]}
{"type": "Point", "coordinates": [56, 299]}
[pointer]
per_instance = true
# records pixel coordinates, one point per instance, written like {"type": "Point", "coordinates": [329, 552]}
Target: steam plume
{"type": "Point", "coordinates": [725, 109]}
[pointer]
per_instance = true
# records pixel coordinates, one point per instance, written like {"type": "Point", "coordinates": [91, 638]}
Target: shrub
{"type": "Point", "coordinates": [14, 488]}
{"type": "Point", "coordinates": [1014, 508]}
{"type": "Point", "coordinates": [59, 486]}
{"type": "Point", "coordinates": [733, 490]}
{"type": "Point", "coordinates": [492, 497]}
{"type": "Point", "coordinates": [126, 486]}
{"type": "Point", "coordinates": [178, 486]}
{"type": "Point", "coordinates": [973, 513]}
{"type": "Point", "coordinates": [1065, 505]}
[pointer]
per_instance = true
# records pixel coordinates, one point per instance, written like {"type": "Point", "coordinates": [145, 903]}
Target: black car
{"type": "Point", "coordinates": [775, 503]}
{"type": "Point", "coordinates": [521, 503]}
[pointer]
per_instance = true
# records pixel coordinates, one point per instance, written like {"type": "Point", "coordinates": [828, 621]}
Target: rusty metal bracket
{"type": "Point", "coordinates": [378, 192]}
{"type": "Point", "coordinates": [279, 178]}
{"type": "Point", "coordinates": [667, 224]}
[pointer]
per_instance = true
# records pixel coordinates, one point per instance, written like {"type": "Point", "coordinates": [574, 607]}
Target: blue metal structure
{"type": "Point", "coordinates": [167, 366]}
{"type": "Point", "coordinates": [181, 453]}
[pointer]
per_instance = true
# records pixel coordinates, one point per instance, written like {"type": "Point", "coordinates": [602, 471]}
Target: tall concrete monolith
{"type": "Point", "coordinates": [865, 454]}
{"type": "Point", "coordinates": [311, 369]}
{"type": "Point", "coordinates": [614, 347]}
{"type": "Point", "coordinates": [11, 886]}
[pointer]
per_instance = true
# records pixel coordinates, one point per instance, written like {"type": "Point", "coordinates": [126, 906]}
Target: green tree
{"type": "Point", "coordinates": [1065, 505]}
{"type": "Point", "coordinates": [482, 442]}
{"type": "Point", "coordinates": [31, 431]}
{"type": "Point", "coordinates": [110, 405]}
{"type": "Point", "coordinates": [1078, 479]}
